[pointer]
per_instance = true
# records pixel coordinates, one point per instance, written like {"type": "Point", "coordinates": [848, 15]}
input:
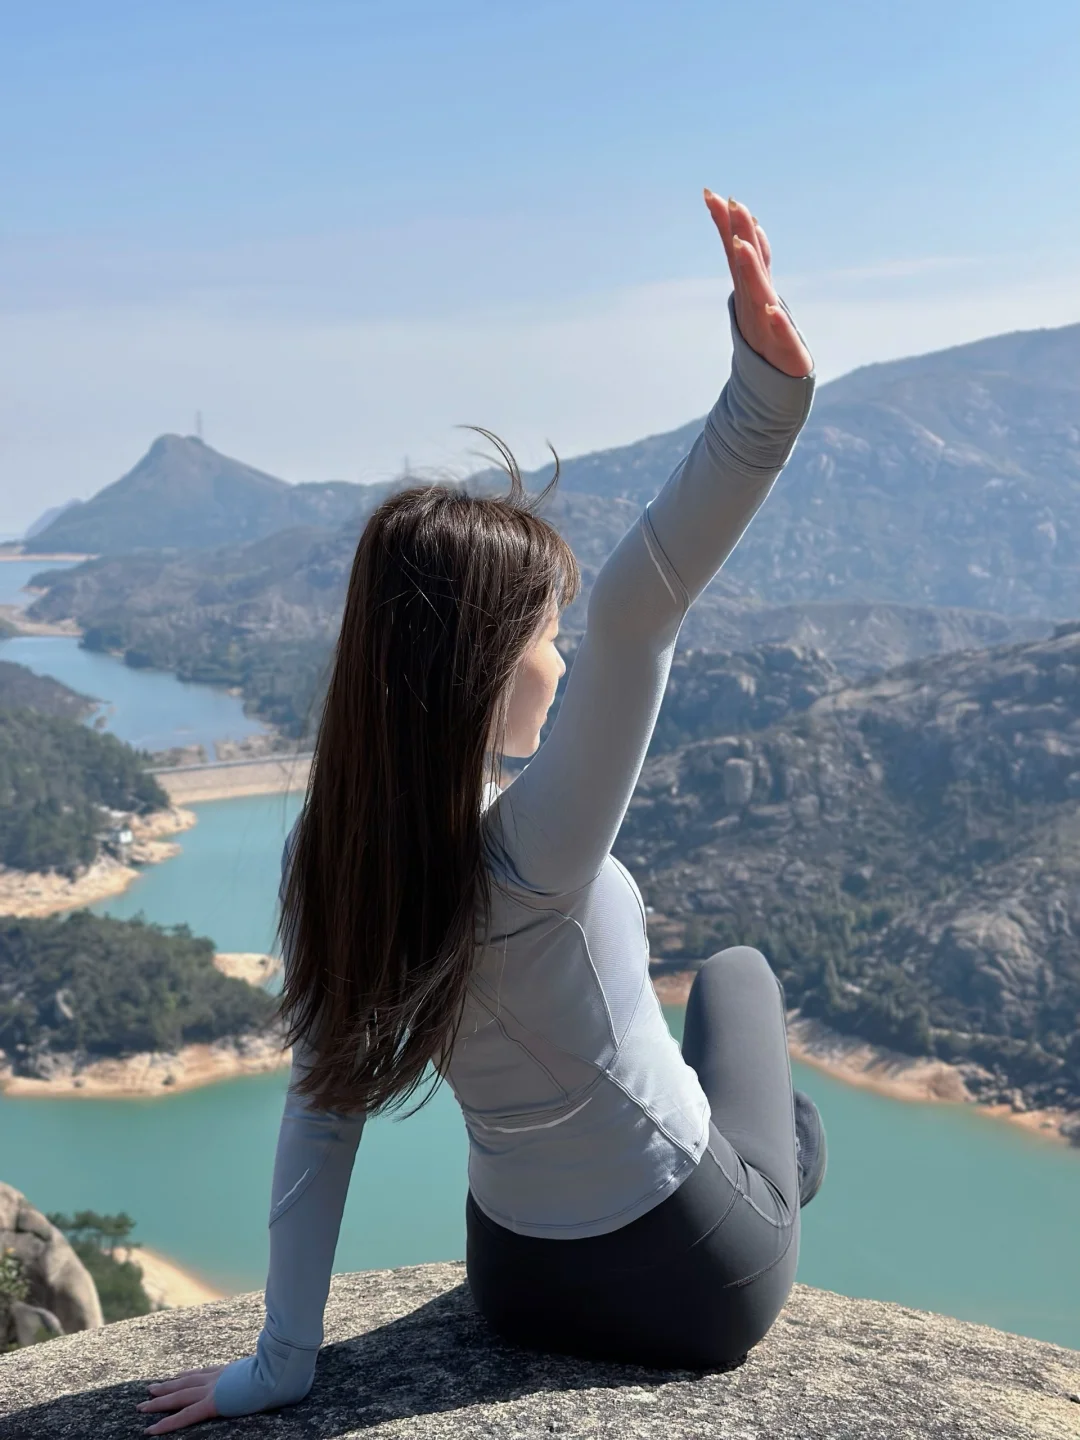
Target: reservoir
{"type": "Point", "coordinates": [14, 574]}
{"type": "Point", "coordinates": [149, 709]}
{"type": "Point", "coordinates": [938, 1207]}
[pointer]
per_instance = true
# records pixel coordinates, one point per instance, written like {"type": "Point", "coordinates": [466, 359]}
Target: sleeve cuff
{"type": "Point", "coordinates": [789, 393]}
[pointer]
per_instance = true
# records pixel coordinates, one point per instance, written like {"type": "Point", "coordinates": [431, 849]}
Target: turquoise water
{"type": "Point", "coordinates": [148, 708]}
{"type": "Point", "coordinates": [934, 1206]}
{"type": "Point", "coordinates": [937, 1207]}
{"type": "Point", "coordinates": [14, 574]}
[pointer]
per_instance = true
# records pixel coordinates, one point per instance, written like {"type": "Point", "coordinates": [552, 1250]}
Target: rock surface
{"type": "Point", "coordinates": [60, 1284]}
{"type": "Point", "coordinates": [407, 1355]}
{"type": "Point", "coordinates": [905, 851]}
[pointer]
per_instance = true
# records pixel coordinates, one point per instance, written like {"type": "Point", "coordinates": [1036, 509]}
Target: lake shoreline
{"type": "Point", "coordinates": [162, 1072]}
{"type": "Point", "coordinates": [31, 557]}
{"type": "Point", "coordinates": [18, 624]}
{"type": "Point", "coordinates": [921, 1080]}
{"type": "Point", "coordinates": [36, 894]}
{"type": "Point", "coordinates": [151, 1073]}
{"type": "Point", "coordinates": [891, 1073]}
{"type": "Point", "coordinates": [169, 1286]}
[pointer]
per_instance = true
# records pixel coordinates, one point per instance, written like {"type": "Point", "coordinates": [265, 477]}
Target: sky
{"type": "Point", "coordinates": [337, 231]}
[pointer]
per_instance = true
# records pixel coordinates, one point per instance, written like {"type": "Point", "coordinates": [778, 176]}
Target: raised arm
{"type": "Point", "coordinates": [561, 815]}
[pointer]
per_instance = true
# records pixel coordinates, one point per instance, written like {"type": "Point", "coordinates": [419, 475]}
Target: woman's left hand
{"type": "Point", "coordinates": [190, 1395]}
{"type": "Point", "coordinates": [763, 322]}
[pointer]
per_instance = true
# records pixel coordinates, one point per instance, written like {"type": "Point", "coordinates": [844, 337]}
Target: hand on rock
{"type": "Point", "coordinates": [190, 1395]}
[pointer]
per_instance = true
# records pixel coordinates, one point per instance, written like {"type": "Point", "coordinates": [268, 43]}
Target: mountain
{"type": "Point", "coordinates": [906, 852]}
{"type": "Point", "coordinates": [945, 479]}
{"type": "Point", "coordinates": [47, 517]}
{"type": "Point", "coordinates": [264, 616]}
{"type": "Point", "coordinates": [951, 478]}
{"type": "Point", "coordinates": [182, 495]}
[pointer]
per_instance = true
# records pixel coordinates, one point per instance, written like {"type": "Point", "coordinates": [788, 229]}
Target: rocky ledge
{"type": "Point", "coordinates": [407, 1355]}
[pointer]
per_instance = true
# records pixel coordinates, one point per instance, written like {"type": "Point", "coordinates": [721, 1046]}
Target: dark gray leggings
{"type": "Point", "coordinates": [700, 1279]}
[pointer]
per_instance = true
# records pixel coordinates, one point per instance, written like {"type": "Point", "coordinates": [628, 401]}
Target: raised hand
{"type": "Point", "coordinates": [763, 321]}
{"type": "Point", "coordinates": [190, 1396]}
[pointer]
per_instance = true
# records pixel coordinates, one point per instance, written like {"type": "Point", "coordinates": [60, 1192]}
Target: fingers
{"type": "Point", "coordinates": [203, 1410]}
{"type": "Point", "coordinates": [744, 226]}
{"type": "Point", "coordinates": [757, 284]}
{"type": "Point", "coordinates": [183, 1381]}
{"type": "Point", "coordinates": [721, 216]}
{"type": "Point", "coordinates": [174, 1399]}
{"type": "Point", "coordinates": [763, 245]}
{"type": "Point", "coordinates": [739, 228]}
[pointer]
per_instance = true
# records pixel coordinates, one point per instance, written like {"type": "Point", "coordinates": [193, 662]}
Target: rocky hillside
{"type": "Point", "coordinates": [946, 479]}
{"type": "Point", "coordinates": [951, 478]}
{"type": "Point", "coordinates": [183, 495]}
{"type": "Point", "coordinates": [831, 1368]}
{"type": "Point", "coordinates": [20, 687]}
{"type": "Point", "coordinates": [263, 616]}
{"type": "Point", "coordinates": [906, 852]}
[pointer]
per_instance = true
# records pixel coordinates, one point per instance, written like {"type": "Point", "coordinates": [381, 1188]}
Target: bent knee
{"type": "Point", "coordinates": [741, 960]}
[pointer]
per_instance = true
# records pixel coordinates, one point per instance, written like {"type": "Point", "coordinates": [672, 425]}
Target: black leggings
{"type": "Point", "coordinates": [699, 1279]}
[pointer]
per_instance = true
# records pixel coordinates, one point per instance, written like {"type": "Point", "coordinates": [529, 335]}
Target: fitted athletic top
{"type": "Point", "coordinates": [581, 1113]}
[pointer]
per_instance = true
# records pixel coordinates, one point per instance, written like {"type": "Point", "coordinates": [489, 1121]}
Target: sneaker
{"type": "Point", "coordinates": [810, 1147]}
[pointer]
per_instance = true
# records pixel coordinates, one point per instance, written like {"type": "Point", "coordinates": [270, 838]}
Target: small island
{"type": "Point", "coordinates": [90, 1005]}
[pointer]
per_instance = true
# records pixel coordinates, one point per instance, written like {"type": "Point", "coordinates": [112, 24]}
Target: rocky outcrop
{"type": "Point", "coordinates": [61, 1296]}
{"type": "Point", "coordinates": [906, 852]}
{"type": "Point", "coordinates": [406, 1355]}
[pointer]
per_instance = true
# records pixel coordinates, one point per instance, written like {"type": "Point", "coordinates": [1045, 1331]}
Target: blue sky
{"type": "Point", "coordinates": [339, 229]}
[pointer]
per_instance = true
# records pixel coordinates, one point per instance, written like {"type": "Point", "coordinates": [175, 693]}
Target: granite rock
{"type": "Point", "coordinates": [60, 1283]}
{"type": "Point", "coordinates": [407, 1355]}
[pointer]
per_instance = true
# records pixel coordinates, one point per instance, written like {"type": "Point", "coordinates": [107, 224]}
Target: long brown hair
{"type": "Point", "coordinates": [387, 878]}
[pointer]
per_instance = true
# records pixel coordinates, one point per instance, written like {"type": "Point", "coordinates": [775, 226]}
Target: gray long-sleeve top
{"type": "Point", "coordinates": [581, 1113]}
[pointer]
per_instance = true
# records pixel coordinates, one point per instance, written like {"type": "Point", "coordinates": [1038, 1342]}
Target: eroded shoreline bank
{"type": "Point", "coordinates": [887, 1072]}
{"type": "Point", "coordinates": [36, 894]}
{"type": "Point", "coordinates": [168, 1285]}
{"type": "Point", "coordinates": [155, 1072]}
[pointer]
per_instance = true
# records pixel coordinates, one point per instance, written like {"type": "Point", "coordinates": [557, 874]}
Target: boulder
{"type": "Point", "coordinates": [406, 1355]}
{"type": "Point", "coordinates": [738, 782]}
{"type": "Point", "coordinates": [59, 1282]}
{"type": "Point", "coordinates": [32, 1323]}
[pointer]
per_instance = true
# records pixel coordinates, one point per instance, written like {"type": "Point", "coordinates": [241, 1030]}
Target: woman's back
{"type": "Point", "coordinates": [564, 1065]}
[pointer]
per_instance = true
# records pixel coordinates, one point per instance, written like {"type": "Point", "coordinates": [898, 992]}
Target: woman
{"type": "Point", "coordinates": [626, 1200]}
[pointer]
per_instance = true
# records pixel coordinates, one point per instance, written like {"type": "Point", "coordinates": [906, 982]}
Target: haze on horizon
{"type": "Point", "coordinates": [339, 231]}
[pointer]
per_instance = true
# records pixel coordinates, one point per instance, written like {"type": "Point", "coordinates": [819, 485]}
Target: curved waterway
{"type": "Point", "coordinates": [150, 709]}
{"type": "Point", "coordinates": [937, 1207]}
{"type": "Point", "coordinates": [16, 574]}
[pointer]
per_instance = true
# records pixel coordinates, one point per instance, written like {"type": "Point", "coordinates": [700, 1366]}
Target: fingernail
{"type": "Point", "coordinates": [709, 194]}
{"type": "Point", "coordinates": [731, 202]}
{"type": "Point", "coordinates": [736, 242]}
